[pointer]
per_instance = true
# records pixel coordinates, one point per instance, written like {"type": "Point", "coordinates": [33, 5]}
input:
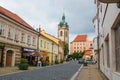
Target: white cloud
{"type": "Point", "coordinates": [48, 13]}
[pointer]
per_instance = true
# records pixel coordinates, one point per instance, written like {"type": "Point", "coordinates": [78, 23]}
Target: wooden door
{"type": "Point", "coordinates": [9, 58]}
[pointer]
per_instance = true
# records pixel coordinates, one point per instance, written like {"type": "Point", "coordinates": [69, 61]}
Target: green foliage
{"type": "Point", "coordinates": [23, 60]}
{"type": "Point", "coordinates": [44, 63]}
{"type": "Point", "coordinates": [66, 49]}
{"type": "Point", "coordinates": [23, 64]}
{"type": "Point", "coordinates": [76, 55]}
{"type": "Point", "coordinates": [56, 62]}
{"type": "Point", "coordinates": [85, 63]}
{"type": "Point", "coordinates": [61, 61]}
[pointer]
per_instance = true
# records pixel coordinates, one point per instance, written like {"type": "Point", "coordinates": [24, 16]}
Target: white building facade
{"type": "Point", "coordinates": [107, 22]}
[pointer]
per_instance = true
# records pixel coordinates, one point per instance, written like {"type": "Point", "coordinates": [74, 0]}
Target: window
{"type": "Point", "coordinates": [33, 42]}
{"type": "Point", "coordinates": [16, 35]}
{"type": "Point", "coordinates": [45, 44]}
{"type": "Point", "coordinates": [74, 47]}
{"type": "Point", "coordinates": [66, 34]}
{"type": "Point", "coordinates": [107, 51]}
{"type": "Point", "coordinates": [2, 29]}
{"type": "Point", "coordinates": [22, 37]}
{"type": "Point", "coordinates": [28, 39]}
{"type": "Point", "coordinates": [61, 33]}
{"type": "Point", "coordinates": [10, 32]}
{"type": "Point", "coordinates": [41, 43]}
{"type": "Point", "coordinates": [117, 48]}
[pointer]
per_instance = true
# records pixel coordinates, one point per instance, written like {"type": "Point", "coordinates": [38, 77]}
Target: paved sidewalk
{"type": "Point", "coordinates": [90, 72]}
{"type": "Point", "coordinates": [6, 70]}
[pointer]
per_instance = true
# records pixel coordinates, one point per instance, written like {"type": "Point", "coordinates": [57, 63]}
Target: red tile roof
{"type": "Point", "coordinates": [13, 16]}
{"type": "Point", "coordinates": [80, 38]}
{"type": "Point", "coordinates": [88, 52]}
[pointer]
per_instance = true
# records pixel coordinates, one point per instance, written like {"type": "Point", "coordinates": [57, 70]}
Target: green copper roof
{"type": "Point", "coordinates": [63, 22]}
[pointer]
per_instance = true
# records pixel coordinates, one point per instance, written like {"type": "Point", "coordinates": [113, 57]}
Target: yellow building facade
{"type": "Point", "coordinates": [49, 46]}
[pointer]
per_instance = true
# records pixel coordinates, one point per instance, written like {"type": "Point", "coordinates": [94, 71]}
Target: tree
{"type": "Point", "coordinates": [66, 49]}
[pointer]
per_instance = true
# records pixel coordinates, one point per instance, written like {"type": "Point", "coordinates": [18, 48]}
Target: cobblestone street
{"type": "Point", "coordinates": [57, 72]}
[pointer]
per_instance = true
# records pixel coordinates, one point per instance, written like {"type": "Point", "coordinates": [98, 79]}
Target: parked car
{"type": "Point", "coordinates": [90, 61]}
{"type": "Point", "coordinates": [80, 61]}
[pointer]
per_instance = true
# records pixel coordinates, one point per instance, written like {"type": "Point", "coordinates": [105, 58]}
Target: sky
{"type": "Point", "coordinates": [48, 13]}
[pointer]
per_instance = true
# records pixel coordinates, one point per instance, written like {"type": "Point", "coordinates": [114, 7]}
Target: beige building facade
{"type": "Point", "coordinates": [15, 37]}
{"type": "Point", "coordinates": [107, 24]}
{"type": "Point", "coordinates": [80, 44]}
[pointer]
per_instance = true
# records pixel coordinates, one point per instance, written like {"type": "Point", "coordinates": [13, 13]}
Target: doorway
{"type": "Point", "coordinates": [9, 55]}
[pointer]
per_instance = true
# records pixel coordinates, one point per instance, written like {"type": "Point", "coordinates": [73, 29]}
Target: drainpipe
{"type": "Point", "coordinates": [98, 44]}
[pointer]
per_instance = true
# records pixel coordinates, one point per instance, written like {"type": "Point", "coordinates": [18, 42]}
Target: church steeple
{"type": "Point", "coordinates": [63, 22]}
{"type": "Point", "coordinates": [63, 30]}
{"type": "Point", "coordinates": [63, 17]}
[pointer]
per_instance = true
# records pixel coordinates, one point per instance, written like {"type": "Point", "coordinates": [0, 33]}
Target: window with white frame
{"type": "Point", "coordinates": [2, 29]}
{"type": "Point", "coordinates": [16, 35]}
{"type": "Point", "coordinates": [28, 39]}
{"type": "Point", "coordinates": [22, 37]}
{"type": "Point", "coordinates": [10, 32]}
{"type": "Point", "coordinates": [34, 40]}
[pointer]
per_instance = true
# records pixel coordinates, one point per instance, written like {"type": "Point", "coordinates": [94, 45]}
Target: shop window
{"type": "Point", "coordinates": [2, 29]}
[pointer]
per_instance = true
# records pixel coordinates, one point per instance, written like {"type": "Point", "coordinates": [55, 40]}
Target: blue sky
{"type": "Point", "coordinates": [48, 14]}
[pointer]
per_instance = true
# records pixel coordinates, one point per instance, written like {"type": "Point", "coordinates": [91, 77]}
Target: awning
{"type": "Point", "coordinates": [32, 54]}
{"type": "Point", "coordinates": [109, 1]}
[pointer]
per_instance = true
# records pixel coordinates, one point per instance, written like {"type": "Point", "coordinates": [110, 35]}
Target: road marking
{"type": "Point", "coordinates": [75, 75]}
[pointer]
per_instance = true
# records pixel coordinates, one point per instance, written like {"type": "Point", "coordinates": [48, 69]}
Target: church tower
{"type": "Point", "coordinates": [63, 30]}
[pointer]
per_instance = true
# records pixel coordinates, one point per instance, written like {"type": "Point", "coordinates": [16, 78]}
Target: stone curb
{"type": "Point", "coordinates": [76, 74]}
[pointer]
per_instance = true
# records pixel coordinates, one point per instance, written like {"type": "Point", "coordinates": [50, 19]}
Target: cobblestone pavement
{"type": "Point", "coordinates": [57, 72]}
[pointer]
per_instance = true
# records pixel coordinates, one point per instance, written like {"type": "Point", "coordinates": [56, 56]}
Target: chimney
{"type": "Point", "coordinates": [36, 29]}
{"type": "Point", "coordinates": [39, 29]}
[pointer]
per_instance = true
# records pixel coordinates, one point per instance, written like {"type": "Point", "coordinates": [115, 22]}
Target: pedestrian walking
{"type": "Point", "coordinates": [39, 63]}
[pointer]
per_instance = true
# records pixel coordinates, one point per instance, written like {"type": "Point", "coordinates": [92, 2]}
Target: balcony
{"type": "Point", "coordinates": [109, 1]}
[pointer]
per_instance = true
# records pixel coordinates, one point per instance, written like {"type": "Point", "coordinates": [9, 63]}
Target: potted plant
{"type": "Point", "coordinates": [85, 63]}
{"type": "Point", "coordinates": [23, 64]}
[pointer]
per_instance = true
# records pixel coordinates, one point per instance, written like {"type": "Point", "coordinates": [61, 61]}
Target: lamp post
{"type": "Point", "coordinates": [52, 51]}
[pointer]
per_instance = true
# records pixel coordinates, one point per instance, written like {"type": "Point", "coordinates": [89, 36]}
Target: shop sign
{"type": "Point", "coordinates": [27, 49]}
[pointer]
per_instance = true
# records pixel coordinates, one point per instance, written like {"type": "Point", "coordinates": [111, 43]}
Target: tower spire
{"type": "Point", "coordinates": [63, 17]}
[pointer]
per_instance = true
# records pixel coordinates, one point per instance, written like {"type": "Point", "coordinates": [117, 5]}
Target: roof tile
{"type": "Point", "coordinates": [80, 38]}
{"type": "Point", "coordinates": [14, 17]}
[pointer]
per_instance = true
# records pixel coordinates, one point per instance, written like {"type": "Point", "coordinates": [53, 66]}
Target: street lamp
{"type": "Point", "coordinates": [52, 51]}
